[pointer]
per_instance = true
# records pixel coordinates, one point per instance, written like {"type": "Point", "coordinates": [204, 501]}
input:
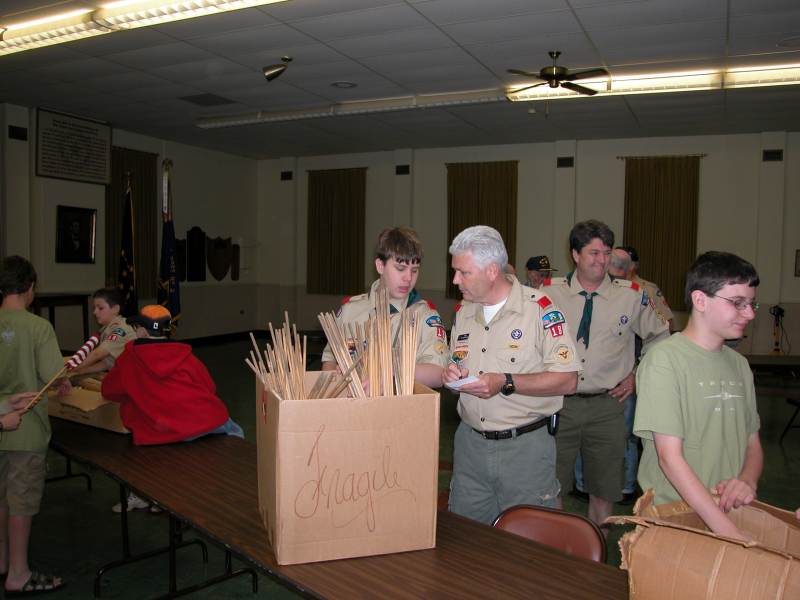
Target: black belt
{"type": "Point", "coordinates": [592, 395]}
{"type": "Point", "coordinates": [509, 433]}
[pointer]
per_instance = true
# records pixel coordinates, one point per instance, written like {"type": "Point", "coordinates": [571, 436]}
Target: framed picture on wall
{"type": "Point", "coordinates": [76, 231]}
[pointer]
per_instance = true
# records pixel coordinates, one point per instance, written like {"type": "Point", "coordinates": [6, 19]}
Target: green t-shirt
{"type": "Point", "coordinates": [705, 398]}
{"type": "Point", "coordinates": [29, 357]}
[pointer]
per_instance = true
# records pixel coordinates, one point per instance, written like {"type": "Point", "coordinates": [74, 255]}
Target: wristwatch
{"type": "Point", "coordinates": [508, 387]}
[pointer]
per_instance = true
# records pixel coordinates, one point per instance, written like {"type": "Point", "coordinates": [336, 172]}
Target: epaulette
{"type": "Point", "coordinates": [626, 283]}
{"type": "Point", "coordinates": [544, 302]}
{"type": "Point", "coordinates": [431, 305]}
{"type": "Point", "coordinates": [458, 307]}
{"type": "Point", "coordinates": [346, 299]}
{"type": "Point", "coordinates": [354, 298]}
{"type": "Point", "coordinates": [555, 281]}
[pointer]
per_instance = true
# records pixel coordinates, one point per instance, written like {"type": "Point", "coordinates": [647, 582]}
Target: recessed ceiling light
{"type": "Point", "coordinates": [789, 42]}
{"type": "Point", "coordinates": [344, 85]}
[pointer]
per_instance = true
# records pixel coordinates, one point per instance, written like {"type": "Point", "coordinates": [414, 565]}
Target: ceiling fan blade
{"type": "Point", "coordinates": [578, 88]}
{"type": "Point", "coordinates": [523, 73]}
{"type": "Point", "coordinates": [590, 73]}
{"type": "Point", "coordinates": [528, 87]}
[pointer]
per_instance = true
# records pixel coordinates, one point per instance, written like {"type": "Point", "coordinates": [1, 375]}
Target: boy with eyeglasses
{"type": "Point", "coordinates": [697, 405]}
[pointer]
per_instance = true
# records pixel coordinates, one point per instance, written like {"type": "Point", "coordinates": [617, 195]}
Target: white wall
{"type": "Point", "coordinates": [745, 207]}
{"type": "Point", "coordinates": [213, 190]}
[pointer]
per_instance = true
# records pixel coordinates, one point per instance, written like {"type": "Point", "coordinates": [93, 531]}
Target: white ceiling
{"type": "Point", "coordinates": [394, 48]}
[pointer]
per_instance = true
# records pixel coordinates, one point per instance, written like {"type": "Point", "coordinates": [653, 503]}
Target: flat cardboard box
{"type": "Point", "coordinates": [86, 405]}
{"type": "Point", "coordinates": [671, 554]}
{"type": "Point", "coordinates": [345, 477]}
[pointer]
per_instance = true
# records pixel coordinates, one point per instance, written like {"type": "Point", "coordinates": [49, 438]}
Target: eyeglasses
{"type": "Point", "coordinates": [740, 304]}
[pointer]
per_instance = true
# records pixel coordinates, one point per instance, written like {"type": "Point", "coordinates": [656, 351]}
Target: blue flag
{"type": "Point", "coordinates": [126, 279]}
{"type": "Point", "coordinates": [169, 293]}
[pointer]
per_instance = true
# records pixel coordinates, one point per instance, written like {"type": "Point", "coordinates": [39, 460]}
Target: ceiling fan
{"type": "Point", "coordinates": [556, 76]}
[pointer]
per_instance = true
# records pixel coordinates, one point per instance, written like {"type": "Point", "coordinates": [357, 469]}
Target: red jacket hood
{"type": "Point", "coordinates": [160, 359]}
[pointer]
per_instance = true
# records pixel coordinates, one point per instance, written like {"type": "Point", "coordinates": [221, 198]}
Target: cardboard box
{"type": "Point", "coordinates": [671, 554]}
{"type": "Point", "coordinates": [345, 477]}
{"type": "Point", "coordinates": [87, 406]}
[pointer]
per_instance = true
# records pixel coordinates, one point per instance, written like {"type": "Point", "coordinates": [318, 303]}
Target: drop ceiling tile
{"type": "Point", "coordinates": [227, 22]}
{"type": "Point", "coordinates": [520, 26]}
{"type": "Point", "coordinates": [362, 22]}
{"type": "Point", "coordinates": [649, 13]}
{"type": "Point", "coordinates": [201, 69]}
{"type": "Point", "coordinates": [392, 42]}
{"type": "Point", "coordinates": [120, 41]}
{"type": "Point", "coordinates": [273, 37]}
{"type": "Point", "coordinates": [293, 11]}
{"type": "Point", "coordinates": [158, 56]}
{"type": "Point", "coordinates": [453, 11]}
{"type": "Point", "coordinates": [76, 70]}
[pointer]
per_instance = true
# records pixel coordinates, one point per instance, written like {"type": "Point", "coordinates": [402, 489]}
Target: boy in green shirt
{"type": "Point", "coordinates": [696, 410]}
{"type": "Point", "coordinates": [29, 357]}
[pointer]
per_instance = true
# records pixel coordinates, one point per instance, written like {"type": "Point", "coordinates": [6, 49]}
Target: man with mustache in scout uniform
{"type": "Point", "coordinates": [515, 342]}
{"type": "Point", "coordinates": [398, 256]}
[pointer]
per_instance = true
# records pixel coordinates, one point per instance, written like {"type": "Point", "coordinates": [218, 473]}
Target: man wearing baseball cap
{"type": "Point", "coordinates": [539, 269]}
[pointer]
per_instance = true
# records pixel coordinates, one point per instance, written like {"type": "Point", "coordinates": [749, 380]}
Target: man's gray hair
{"type": "Point", "coordinates": [620, 261]}
{"type": "Point", "coordinates": [485, 244]}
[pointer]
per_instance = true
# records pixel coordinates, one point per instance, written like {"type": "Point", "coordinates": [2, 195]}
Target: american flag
{"type": "Point", "coordinates": [83, 352]}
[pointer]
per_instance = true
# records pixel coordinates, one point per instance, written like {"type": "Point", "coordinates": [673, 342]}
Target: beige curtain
{"type": "Point", "coordinates": [336, 206]}
{"type": "Point", "coordinates": [481, 194]}
{"type": "Point", "coordinates": [143, 169]}
{"type": "Point", "coordinates": [661, 219]}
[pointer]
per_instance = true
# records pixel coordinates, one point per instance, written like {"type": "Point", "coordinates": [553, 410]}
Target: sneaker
{"type": "Point", "coordinates": [134, 503]}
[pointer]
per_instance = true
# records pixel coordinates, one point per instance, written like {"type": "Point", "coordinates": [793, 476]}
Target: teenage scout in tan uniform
{"type": "Point", "coordinates": [516, 342]}
{"type": "Point", "coordinates": [398, 255]}
{"type": "Point", "coordinates": [114, 333]}
{"type": "Point", "coordinates": [605, 316]}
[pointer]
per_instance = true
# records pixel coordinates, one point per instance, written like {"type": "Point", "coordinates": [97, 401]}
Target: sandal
{"type": "Point", "coordinates": [38, 583]}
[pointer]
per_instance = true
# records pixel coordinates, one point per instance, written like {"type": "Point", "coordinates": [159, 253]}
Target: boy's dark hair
{"type": "Point", "coordinates": [585, 231]}
{"type": "Point", "coordinates": [16, 275]}
{"type": "Point", "coordinates": [713, 270]}
{"type": "Point", "coordinates": [400, 243]}
{"type": "Point", "coordinates": [113, 296]}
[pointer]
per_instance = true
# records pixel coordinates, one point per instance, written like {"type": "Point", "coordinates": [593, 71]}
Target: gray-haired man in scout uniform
{"type": "Point", "coordinates": [654, 295]}
{"type": "Point", "coordinates": [609, 314]}
{"type": "Point", "coordinates": [516, 342]}
{"type": "Point", "coordinates": [398, 255]}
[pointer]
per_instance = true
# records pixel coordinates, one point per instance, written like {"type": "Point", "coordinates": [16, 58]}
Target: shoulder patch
{"type": "Point", "coordinates": [544, 302]}
{"type": "Point", "coordinates": [346, 299]}
{"type": "Point", "coordinates": [457, 308]}
{"type": "Point", "coordinates": [430, 304]}
{"type": "Point", "coordinates": [119, 331]}
{"type": "Point", "coordinates": [547, 281]}
{"type": "Point", "coordinates": [634, 286]}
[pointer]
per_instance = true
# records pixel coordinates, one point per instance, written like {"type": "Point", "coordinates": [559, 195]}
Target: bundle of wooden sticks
{"type": "Point", "coordinates": [388, 363]}
{"type": "Point", "coordinates": [371, 361]}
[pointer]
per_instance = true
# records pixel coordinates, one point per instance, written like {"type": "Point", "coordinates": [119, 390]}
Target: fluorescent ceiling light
{"type": "Point", "coordinates": [111, 17]}
{"type": "Point", "coordinates": [359, 107]}
{"type": "Point", "coordinates": [660, 83]}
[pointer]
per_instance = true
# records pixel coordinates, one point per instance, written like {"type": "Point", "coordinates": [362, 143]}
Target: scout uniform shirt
{"type": "Point", "coordinates": [431, 336]}
{"type": "Point", "coordinates": [113, 337]}
{"type": "Point", "coordinates": [527, 335]}
{"type": "Point", "coordinates": [621, 311]}
{"type": "Point", "coordinates": [655, 297]}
